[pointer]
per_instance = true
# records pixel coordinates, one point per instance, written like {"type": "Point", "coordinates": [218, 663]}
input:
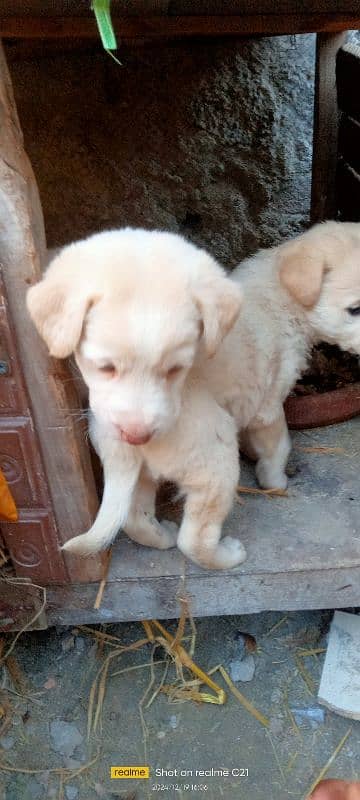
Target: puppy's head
{"type": "Point", "coordinates": [321, 272]}
{"type": "Point", "coordinates": [134, 306]}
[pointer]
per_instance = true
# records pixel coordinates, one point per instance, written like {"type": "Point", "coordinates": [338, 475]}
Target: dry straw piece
{"type": "Point", "coordinates": [99, 596]}
{"type": "Point", "coordinates": [323, 450]}
{"type": "Point", "coordinates": [264, 492]}
{"type": "Point", "coordinates": [327, 766]}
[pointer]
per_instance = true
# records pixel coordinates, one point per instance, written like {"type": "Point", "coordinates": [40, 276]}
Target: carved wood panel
{"type": "Point", "coordinates": [32, 541]}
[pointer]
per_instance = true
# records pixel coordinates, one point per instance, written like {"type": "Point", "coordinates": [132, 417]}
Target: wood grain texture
{"type": "Point", "coordinates": [52, 395]}
{"type": "Point", "coordinates": [326, 122]}
{"type": "Point", "coordinates": [167, 27]}
{"type": "Point", "coordinates": [81, 8]}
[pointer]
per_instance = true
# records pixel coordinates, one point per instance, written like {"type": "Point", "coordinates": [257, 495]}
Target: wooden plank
{"type": "Point", "coordinates": [325, 137]}
{"type": "Point", "coordinates": [158, 598]}
{"type": "Point", "coordinates": [303, 550]}
{"type": "Point", "coordinates": [348, 193]}
{"type": "Point", "coordinates": [348, 80]}
{"type": "Point", "coordinates": [349, 141]}
{"type": "Point", "coordinates": [160, 27]}
{"type": "Point", "coordinates": [47, 8]}
{"type": "Point", "coordinates": [260, 7]}
{"type": "Point", "coordinates": [52, 395]}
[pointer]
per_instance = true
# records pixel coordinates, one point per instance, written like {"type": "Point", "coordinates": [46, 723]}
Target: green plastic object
{"type": "Point", "coordinates": [101, 9]}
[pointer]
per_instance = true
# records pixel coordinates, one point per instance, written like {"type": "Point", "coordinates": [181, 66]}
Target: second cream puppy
{"type": "Point", "coordinates": [296, 295]}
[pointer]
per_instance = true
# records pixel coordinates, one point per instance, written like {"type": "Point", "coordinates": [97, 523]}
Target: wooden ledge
{"type": "Point", "coordinates": [165, 27]}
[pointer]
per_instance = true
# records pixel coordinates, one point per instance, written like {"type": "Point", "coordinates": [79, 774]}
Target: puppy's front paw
{"type": "Point", "coordinates": [269, 477]}
{"type": "Point", "coordinates": [230, 552]}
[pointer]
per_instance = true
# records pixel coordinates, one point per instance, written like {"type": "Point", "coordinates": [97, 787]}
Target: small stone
{"type": "Point", "coordinates": [242, 669]}
{"type": "Point", "coordinates": [161, 735]}
{"type": "Point", "coordinates": [71, 792]}
{"type": "Point", "coordinates": [312, 714]}
{"type": "Point", "coordinates": [173, 721]}
{"type": "Point", "coordinates": [68, 644]}
{"type": "Point", "coordinates": [50, 683]}
{"type": "Point", "coordinates": [7, 742]}
{"type": "Point", "coordinates": [65, 736]}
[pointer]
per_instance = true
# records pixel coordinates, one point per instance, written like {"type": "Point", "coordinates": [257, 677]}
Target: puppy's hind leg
{"type": "Point", "coordinates": [142, 525]}
{"type": "Point", "coordinates": [122, 464]}
{"type": "Point", "coordinates": [271, 445]}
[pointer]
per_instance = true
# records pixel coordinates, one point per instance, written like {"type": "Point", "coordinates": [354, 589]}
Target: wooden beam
{"type": "Point", "coordinates": [53, 397]}
{"type": "Point", "coordinates": [165, 27]}
{"type": "Point", "coordinates": [326, 124]}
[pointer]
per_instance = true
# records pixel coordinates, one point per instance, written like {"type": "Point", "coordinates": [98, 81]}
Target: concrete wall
{"type": "Point", "coordinates": [211, 139]}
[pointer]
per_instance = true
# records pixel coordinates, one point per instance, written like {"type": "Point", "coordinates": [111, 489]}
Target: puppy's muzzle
{"type": "Point", "coordinates": [135, 434]}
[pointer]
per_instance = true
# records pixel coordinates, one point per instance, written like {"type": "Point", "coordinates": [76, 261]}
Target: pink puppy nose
{"type": "Point", "coordinates": [134, 433]}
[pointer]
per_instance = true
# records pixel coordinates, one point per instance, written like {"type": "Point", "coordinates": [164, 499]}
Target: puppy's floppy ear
{"type": "Point", "coordinates": [58, 306]}
{"type": "Point", "coordinates": [219, 301]}
{"type": "Point", "coordinates": [302, 265]}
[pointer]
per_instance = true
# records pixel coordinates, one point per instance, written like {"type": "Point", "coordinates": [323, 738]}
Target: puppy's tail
{"type": "Point", "coordinates": [93, 541]}
{"type": "Point", "coordinates": [112, 514]}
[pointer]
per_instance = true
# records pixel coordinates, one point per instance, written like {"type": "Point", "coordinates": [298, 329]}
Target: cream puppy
{"type": "Point", "coordinates": [296, 295]}
{"type": "Point", "coordinates": [139, 309]}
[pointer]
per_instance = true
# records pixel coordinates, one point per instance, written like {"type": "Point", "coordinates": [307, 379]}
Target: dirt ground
{"type": "Point", "coordinates": [46, 729]}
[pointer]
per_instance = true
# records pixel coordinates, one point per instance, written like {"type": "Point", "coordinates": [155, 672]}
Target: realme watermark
{"type": "Point", "coordinates": [130, 772]}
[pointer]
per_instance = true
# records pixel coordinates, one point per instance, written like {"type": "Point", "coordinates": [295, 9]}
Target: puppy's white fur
{"type": "Point", "coordinates": [138, 308]}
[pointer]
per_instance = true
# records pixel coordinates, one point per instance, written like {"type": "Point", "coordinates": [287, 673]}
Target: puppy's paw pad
{"type": "Point", "coordinates": [231, 552]}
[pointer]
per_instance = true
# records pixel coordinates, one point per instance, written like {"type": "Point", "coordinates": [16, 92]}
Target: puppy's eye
{"type": "Point", "coordinates": [354, 311]}
{"type": "Point", "coordinates": [107, 369]}
{"type": "Point", "coordinates": [173, 371]}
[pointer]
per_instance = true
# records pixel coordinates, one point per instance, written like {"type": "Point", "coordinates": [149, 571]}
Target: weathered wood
{"type": "Point", "coordinates": [349, 141]}
{"type": "Point", "coordinates": [49, 8]}
{"type": "Point", "coordinates": [323, 203]}
{"type": "Point", "coordinates": [165, 27]}
{"type": "Point", "coordinates": [208, 595]}
{"type": "Point", "coordinates": [53, 397]}
{"type": "Point", "coordinates": [348, 80]}
{"type": "Point", "coordinates": [348, 192]}
{"type": "Point", "coordinates": [32, 542]}
{"type": "Point", "coordinates": [303, 550]}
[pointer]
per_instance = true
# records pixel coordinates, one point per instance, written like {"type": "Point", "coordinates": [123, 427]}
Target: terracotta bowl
{"type": "Point", "coordinates": [317, 410]}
